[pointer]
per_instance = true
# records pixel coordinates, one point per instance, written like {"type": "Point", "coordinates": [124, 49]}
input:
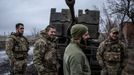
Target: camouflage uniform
{"type": "Point", "coordinates": [17, 51]}
{"type": "Point", "coordinates": [45, 57]}
{"type": "Point", "coordinates": [112, 57]}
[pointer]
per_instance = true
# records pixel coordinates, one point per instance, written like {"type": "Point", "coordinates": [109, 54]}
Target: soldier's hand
{"type": "Point", "coordinates": [101, 63]}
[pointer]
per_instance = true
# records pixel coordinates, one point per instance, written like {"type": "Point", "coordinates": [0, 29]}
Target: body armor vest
{"type": "Point", "coordinates": [112, 52]}
{"type": "Point", "coordinates": [20, 47]}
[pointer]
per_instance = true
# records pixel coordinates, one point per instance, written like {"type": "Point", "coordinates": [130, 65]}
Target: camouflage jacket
{"type": "Point", "coordinates": [17, 47]}
{"type": "Point", "coordinates": [45, 57]}
{"type": "Point", "coordinates": [111, 51]}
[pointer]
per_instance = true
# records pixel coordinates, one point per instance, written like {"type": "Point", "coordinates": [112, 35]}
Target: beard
{"type": "Point", "coordinates": [20, 34]}
{"type": "Point", "coordinates": [113, 38]}
{"type": "Point", "coordinates": [83, 43]}
{"type": "Point", "coordinates": [51, 38]}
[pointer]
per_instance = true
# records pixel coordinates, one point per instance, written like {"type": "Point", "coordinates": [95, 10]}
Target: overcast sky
{"type": "Point", "coordinates": [35, 13]}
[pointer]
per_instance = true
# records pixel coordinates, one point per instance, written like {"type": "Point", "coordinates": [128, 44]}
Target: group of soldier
{"type": "Point", "coordinates": [111, 54]}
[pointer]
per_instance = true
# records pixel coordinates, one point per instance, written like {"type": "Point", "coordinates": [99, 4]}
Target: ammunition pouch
{"type": "Point", "coordinates": [20, 56]}
{"type": "Point", "coordinates": [20, 49]}
{"type": "Point", "coordinates": [112, 56]}
{"type": "Point", "coordinates": [20, 52]}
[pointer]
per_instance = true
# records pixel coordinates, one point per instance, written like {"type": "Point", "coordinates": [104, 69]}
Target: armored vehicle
{"type": "Point", "coordinates": [65, 19]}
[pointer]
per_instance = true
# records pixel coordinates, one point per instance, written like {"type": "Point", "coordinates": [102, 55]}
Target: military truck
{"type": "Point", "coordinates": [65, 19]}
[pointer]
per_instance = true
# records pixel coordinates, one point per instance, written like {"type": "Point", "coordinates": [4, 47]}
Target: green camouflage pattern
{"type": "Point", "coordinates": [45, 57]}
{"type": "Point", "coordinates": [112, 57]}
{"type": "Point", "coordinates": [19, 67]}
{"type": "Point", "coordinates": [17, 50]}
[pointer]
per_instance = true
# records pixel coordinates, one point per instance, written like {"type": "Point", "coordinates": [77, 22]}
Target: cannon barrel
{"type": "Point", "coordinates": [70, 4]}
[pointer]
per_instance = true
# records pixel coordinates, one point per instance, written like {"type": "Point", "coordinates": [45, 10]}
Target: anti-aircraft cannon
{"type": "Point", "coordinates": [65, 20]}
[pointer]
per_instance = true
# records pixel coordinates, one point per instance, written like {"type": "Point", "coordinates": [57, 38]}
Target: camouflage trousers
{"type": "Point", "coordinates": [111, 70]}
{"type": "Point", "coordinates": [18, 67]}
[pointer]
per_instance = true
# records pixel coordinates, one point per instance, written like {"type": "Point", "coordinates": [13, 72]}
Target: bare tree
{"type": "Point", "coordinates": [125, 8]}
{"type": "Point", "coordinates": [35, 32]}
{"type": "Point", "coordinates": [107, 22]}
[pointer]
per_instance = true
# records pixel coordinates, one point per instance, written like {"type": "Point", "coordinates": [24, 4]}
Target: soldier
{"type": "Point", "coordinates": [45, 57]}
{"type": "Point", "coordinates": [75, 62]}
{"type": "Point", "coordinates": [112, 55]}
{"type": "Point", "coordinates": [17, 47]}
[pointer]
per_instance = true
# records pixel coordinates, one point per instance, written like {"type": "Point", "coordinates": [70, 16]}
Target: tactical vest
{"type": "Point", "coordinates": [20, 47]}
{"type": "Point", "coordinates": [113, 52]}
{"type": "Point", "coordinates": [49, 55]}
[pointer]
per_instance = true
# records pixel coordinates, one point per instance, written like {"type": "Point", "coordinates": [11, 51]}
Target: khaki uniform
{"type": "Point", "coordinates": [17, 50]}
{"type": "Point", "coordinates": [75, 62]}
{"type": "Point", "coordinates": [112, 57]}
{"type": "Point", "coordinates": [45, 57]}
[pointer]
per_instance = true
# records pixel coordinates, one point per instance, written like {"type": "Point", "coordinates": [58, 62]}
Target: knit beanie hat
{"type": "Point", "coordinates": [78, 30]}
